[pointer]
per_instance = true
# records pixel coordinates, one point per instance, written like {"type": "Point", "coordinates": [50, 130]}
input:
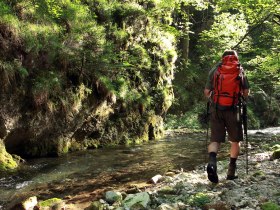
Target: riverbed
{"type": "Point", "coordinates": [91, 172]}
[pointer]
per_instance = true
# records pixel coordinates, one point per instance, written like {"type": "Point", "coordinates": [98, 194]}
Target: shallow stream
{"type": "Point", "coordinates": [92, 171]}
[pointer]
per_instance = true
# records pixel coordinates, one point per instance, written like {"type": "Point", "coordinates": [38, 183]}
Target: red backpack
{"type": "Point", "coordinates": [227, 82]}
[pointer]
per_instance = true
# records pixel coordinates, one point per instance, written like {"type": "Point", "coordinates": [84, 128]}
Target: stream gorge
{"type": "Point", "coordinates": [84, 176]}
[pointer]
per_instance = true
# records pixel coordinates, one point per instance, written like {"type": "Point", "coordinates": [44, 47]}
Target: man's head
{"type": "Point", "coordinates": [230, 52]}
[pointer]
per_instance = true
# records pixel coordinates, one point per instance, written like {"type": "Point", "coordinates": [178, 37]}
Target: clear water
{"type": "Point", "coordinates": [93, 169]}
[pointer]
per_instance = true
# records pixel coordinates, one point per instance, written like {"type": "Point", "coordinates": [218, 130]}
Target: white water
{"type": "Point", "coordinates": [270, 131]}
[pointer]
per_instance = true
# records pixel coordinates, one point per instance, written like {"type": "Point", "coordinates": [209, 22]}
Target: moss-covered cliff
{"type": "Point", "coordinates": [83, 74]}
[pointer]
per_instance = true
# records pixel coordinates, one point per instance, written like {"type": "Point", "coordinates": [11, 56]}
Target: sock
{"type": "Point", "coordinates": [212, 156]}
{"type": "Point", "coordinates": [232, 161]}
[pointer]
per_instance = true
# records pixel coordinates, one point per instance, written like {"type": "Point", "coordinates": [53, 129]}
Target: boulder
{"type": "Point", "coordinates": [276, 154]}
{"type": "Point", "coordinates": [26, 204]}
{"type": "Point", "coordinates": [96, 205]}
{"type": "Point", "coordinates": [112, 196]}
{"type": "Point", "coordinates": [157, 178]}
{"type": "Point", "coordinates": [6, 160]}
{"type": "Point", "coordinates": [137, 201]}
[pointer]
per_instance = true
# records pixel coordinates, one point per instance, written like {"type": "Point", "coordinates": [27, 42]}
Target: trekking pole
{"type": "Point", "coordinates": [245, 127]}
{"type": "Point", "coordinates": [207, 132]}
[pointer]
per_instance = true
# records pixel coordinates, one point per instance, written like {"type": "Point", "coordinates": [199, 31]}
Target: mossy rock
{"type": "Point", "coordinates": [259, 174]}
{"type": "Point", "coordinates": [276, 154]}
{"type": "Point", "coordinates": [6, 160]}
{"type": "Point", "coordinates": [167, 191]}
{"type": "Point", "coordinates": [275, 147]}
{"type": "Point", "coordinates": [50, 202]}
{"type": "Point", "coordinates": [96, 205]}
{"type": "Point", "coordinates": [199, 200]}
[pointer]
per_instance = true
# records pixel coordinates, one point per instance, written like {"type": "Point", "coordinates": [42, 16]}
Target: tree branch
{"type": "Point", "coordinates": [275, 21]}
{"type": "Point", "coordinates": [252, 29]}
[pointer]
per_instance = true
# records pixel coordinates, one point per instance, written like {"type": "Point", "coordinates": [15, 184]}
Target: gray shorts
{"type": "Point", "coordinates": [223, 121]}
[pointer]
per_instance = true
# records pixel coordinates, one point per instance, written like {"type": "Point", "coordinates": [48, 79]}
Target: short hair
{"type": "Point", "coordinates": [229, 52]}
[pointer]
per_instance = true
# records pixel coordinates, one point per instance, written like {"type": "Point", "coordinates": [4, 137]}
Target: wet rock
{"type": "Point", "coordinates": [3, 129]}
{"type": "Point", "coordinates": [156, 179]}
{"type": "Point", "coordinates": [218, 205]}
{"type": "Point", "coordinates": [52, 203]}
{"type": "Point", "coordinates": [27, 204]}
{"type": "Point", "coordinates": [137, 201]}
{"type": "Point", "coordinates": [96, 205]}
{"type": "Point", "coordinates": [112, 197]}
{"type": "Point", "coordinates": [166, 206]}
{"type": "Point", "coordinates": [6, 160]}
{"type": "Point", "coordinates": [276, 154]}
{"type": "Point", "coordinates": [167, 190]}
{"type": "Point", "coordinates": [170, 173]}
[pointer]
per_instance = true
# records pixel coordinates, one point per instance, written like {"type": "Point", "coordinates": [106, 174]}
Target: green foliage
{"type": "Point", "coordinates": [270, 206]}
{"type": "Point", "coordinates": [7, 15]}
{"type": "Point", "coordinates": [191, 119]}
{"type": "Point", "coordinates": [49, 83]}
{"type": "Point", "coordinates": [40, 37]}
{"type": "Point", "coordinates": [255, 10]}
{"type": "Point", "coordinates": [130, 47]}
{"type": "Point", "coordinates": [253, 120]}
{"type": "Point", "coordinates": [139, 57]}
{"type": "Point", "coordinates": [225, 32]}
{"type": "Point", "coordinates": [199, 199]}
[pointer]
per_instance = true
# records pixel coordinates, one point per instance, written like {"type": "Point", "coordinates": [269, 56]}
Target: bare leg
{"type": "Point", "coordinates": [234, 149]}
{"type": "Point", "coordinates": [213, 147]}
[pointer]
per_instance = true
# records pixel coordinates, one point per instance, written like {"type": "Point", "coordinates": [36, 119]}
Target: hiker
{"type": "Point", "coordinates": [225, 86]}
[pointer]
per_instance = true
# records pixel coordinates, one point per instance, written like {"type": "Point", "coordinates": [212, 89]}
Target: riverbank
{"type": "Point", "coordinates": [259, 189]}
{"type": "Point", "coordinates": [190, 189]}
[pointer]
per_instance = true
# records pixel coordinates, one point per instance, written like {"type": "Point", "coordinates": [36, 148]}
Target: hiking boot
{"type": "Point", "coordinates": [212, 172]}
{"type": "Point", "coordinates": [231, 172]}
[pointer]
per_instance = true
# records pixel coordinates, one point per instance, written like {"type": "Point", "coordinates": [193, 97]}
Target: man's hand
{"type": "Point", "coordinates": [246, 93]}
{"type": "Point", "coordinates": [207, 93]}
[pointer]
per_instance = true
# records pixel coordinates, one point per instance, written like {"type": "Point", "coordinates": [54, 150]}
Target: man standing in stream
{"type": "Point", "coordinates": [226, 86]}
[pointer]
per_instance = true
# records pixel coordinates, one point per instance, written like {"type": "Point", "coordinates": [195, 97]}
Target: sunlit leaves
{"type": "Point", "coordinates": [225, 32]}
{"type": "Point", "coordinates": [255, 10]}
{"type": "Point", "coordinates": [6, 14]}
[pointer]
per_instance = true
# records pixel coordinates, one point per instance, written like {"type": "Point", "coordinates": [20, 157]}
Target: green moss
{"type": "Point", "coordinates": [276, 146]}
{"type": "Point", "coordinates": [6, 160]}
{"type": "Point", "coordinates": [270, 206]}
{"type": "Point", "coordinates": [167, 190]}
{"type": "Point", "coordinates": [199, 200]}
{"type": "Point", "coordinates": [276, 154]}
{"type": "Point", "coordinates": [96, 205]}
{"type": "Point", "coordinates": [49, 202]}
{"type": "Point", "coordinates": [91, 143]}
{"type": "Point", "coordinates": [259, 173]}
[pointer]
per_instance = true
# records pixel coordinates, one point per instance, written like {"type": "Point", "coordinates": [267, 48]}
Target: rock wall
{"type": "Point", "coordinates": [111, 85]}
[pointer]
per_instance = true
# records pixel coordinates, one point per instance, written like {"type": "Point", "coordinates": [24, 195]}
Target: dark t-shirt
{"type": "Point", "coordinates": [209, 82]}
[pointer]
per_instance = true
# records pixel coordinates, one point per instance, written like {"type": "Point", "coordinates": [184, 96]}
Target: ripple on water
{"type": "Point", "coordinates": [23, 184]}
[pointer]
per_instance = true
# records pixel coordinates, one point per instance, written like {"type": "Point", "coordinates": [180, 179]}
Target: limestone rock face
{"type": "Point", "coordinates": [111, 84]}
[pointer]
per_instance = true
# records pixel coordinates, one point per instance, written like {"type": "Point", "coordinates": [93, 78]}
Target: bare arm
{"type": "Point", "coordinates": [207, 93]}
{"type": "Point", "coordinates": [246, 93]}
